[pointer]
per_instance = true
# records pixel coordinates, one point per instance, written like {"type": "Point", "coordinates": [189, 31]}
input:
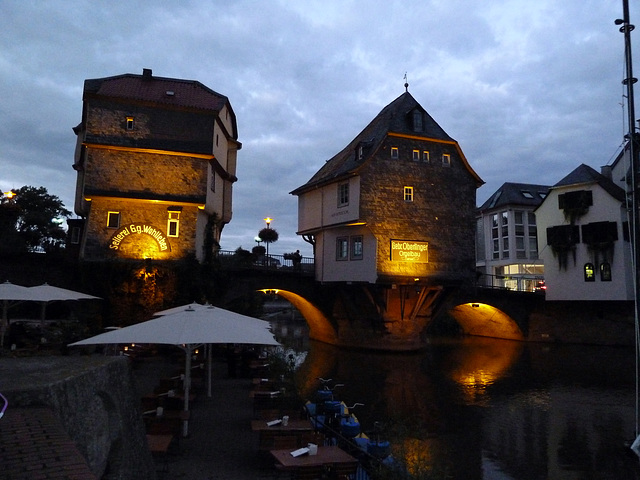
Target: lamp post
{"type": "Point", "coordinates": [268, 220]}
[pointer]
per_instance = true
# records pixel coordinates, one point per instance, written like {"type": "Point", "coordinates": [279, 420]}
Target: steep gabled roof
{"type": "Point", "coordinates": [585, 174]}
{"type": "Point", "coordinates": [394, 118]}
{"type": "Point", "coordinates": [524, 194]}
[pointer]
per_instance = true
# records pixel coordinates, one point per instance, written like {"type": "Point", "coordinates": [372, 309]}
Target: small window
{"type": "Point", "coordinates": [425, 156]}
{"type": "Point", "coordinates": [75, 235]}
{"type": "Point", "coordinates": [589, 273]}
{"type": "Point", "coordinates": [356, 247]}
{"type": "Point", "coordinates": [173, 224]}
{"type": "Point", "coordinates": [605, 272]}
{"type": "Point", "coordinates": [213, 179]}
{"type": "Point", "coordinates": [342, 248]}
{"type": "Point", "coordinates": [394, 153]}
{"type": "Point", "coordinates": [416, 155]}
{"type": "Point", "coordinates": [113, 219]}
{"type": "Point", "coordinates": [446, 160]}
{"type": "Point", "coordinates": [417, 121]}
{"type": "Point", "coordinates": [408, 194]}
{"type": "Point", "coordinates": [343, 195]}
{"type": "Point", "coordinates": [360, 152]}
{"type": "Point", "coordinates": [526, 194]}
{"type": "Point", "coordinates": [129, 123]}
{"type": "Point", "coordinates": [217, 139]}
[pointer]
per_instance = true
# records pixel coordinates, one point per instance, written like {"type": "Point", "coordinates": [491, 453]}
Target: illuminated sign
{"type": "Point", "coordinates": [138, 229]}
{"type": "Point", "coordinates": [409, 251]}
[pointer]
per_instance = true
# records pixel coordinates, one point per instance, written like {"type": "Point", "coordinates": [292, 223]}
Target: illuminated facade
{"type": "Point", "coordinates": [506, 238]}
{"type": "Point", "coordinates": [396, 206]}
{"type": "Point", "coordinates": [583, 237]}
{"type": "Point", "coordinates": [155, 161]}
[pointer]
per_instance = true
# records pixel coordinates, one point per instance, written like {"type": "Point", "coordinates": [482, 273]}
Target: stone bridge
{"type": "Point", "coordinates": [392, 317]}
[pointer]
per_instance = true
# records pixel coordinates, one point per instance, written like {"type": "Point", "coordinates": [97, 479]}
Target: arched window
{"type": "Point", "coordinates": [605, 272]}
{"type": "Point", "coordinates": [589, 272]}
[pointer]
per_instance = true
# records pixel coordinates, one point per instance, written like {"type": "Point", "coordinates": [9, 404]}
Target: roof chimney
{"type": "Point", "coordinates": [146, 73]}
{"type": "Point", "coordinates": [606, 171]}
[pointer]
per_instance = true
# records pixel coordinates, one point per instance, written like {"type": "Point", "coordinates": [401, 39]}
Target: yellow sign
{"type": "Point", "coordinates": [409, 251]}
{"type": "Point", "coordinates": [137, 229]}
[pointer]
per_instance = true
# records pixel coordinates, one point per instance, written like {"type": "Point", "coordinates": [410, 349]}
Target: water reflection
{"type": "Point", "coordinates": [479, 408]}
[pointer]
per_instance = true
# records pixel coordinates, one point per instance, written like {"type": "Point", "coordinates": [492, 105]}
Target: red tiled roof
{"type": "Point", "coordinates": [166, 91]}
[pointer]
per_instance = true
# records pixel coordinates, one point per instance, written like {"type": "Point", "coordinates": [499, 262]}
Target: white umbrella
{"type": "Point", "coordinates": [46, 293]}
{"type": "Point", "coordinates": [189, 327]}
{"type": "Point", "coordinates": [10, 292]}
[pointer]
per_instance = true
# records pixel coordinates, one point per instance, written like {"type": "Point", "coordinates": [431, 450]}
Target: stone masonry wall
{"type": "Point", "coordinates": [442, 212]}
{"type": "Point", "coordinates": [96, 400]}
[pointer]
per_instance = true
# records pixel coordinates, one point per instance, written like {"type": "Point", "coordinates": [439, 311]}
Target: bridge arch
{"type": "Point", "coordinates": [485, 320]}
{"type": "Point", "coordinates": [320, 328]}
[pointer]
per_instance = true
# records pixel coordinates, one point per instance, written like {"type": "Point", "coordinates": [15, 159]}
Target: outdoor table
{"type": "Point", "coordinates": [294, 425]}
{"type": "Point", "coordinates": [297, 431]}
{"type": "Point", "coordinates": [326, 456]}
{"type": "Point", "coordinates": [159, 446]}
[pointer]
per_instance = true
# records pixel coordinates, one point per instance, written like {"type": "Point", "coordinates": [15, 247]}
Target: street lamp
{"type": "Point", "coordinates": [268, 220]}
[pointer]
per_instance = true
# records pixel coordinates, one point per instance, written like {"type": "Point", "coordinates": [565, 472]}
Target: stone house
{"type": "Point", "coordinates": [156, 162]}
{"type": "Point", "coordinates": [395, 207]}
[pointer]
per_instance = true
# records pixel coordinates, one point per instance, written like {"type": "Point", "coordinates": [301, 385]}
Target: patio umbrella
{"type": "Point", "coordinates": [10, 292]}
{"type": "Point", "coordinates": [189, 327]}
{"type": "Point", "coordinates": [45, 294]}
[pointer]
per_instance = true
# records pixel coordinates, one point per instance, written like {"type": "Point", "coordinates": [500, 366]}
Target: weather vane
{"type": "Point", "coordinates": [406, 82]}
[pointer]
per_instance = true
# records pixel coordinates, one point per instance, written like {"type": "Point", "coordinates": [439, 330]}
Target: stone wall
{"type": "Point", "coordinates": [96, 400]}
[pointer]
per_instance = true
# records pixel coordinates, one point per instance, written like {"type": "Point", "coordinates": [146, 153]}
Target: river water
{"type": "Point", "coordinates": [480, 408]}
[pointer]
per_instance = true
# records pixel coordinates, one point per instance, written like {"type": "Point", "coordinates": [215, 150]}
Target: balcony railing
{"type": "Point", "coordinates": [250, 260]}
{"type": "Point", "coordinates": [516, 283]}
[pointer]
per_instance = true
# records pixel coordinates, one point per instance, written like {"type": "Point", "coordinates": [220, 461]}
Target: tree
{"type": "Point", "coordinates": [31, 221]}
{"type": "Point", "coordinates": [268, 235]}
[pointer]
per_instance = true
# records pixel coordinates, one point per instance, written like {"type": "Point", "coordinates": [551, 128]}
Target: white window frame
{"type": "Point", "coordinates": [343, 194]}
{"type": "Point", "coordinates": [394, 153]}
{"type": "Point", "coordinates": [173, 224]}
{"type": "Point", "coordinates": [357, 247]}
{"type": "Point", "coordinates": [130, 123]}
{"type": "Point", "coordinates": [446, 160]}
{"type": "Point", "coordinates": [342, 249]}
{"type": "Point", "coordinates": [416, 155]}
{"type": "Point", "coordinates": [425, 156]}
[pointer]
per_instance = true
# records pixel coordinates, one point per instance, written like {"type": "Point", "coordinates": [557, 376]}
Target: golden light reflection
{"type": "Point", "coordinates": [417, 455]}
{"type": "Point", "coordinates": [480, 363]}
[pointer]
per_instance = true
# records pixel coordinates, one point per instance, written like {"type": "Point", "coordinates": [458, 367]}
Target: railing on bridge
{"type": "Point", "coordinates": [516, 283]}
{"type": "Point", "coordinates": [249, 260]}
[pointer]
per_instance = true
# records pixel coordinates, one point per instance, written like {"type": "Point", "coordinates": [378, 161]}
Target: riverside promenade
{"type": "Point", "coordinates": [220, 445]}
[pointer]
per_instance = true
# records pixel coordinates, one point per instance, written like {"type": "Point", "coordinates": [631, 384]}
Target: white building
{"type": "Point", "coordinates": [506, 238]}
{"type": "Point", "coordinates": [583, 237]}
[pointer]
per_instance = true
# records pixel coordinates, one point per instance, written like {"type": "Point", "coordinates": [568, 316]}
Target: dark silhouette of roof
{"type": "Point", "coordinates": [524, 194]}
{"type": "Point", "coordinates": [394, 118]}
{"type": "Point", "coordinates": [159, 90]}
{"type": "Point", "coordinates": [586, 174]}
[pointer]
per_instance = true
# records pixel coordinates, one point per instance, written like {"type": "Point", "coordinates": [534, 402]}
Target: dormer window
{"type": "Point", "coordinates": [417, 121]}
{"type": "Point", "coordinates": [129, 123]}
